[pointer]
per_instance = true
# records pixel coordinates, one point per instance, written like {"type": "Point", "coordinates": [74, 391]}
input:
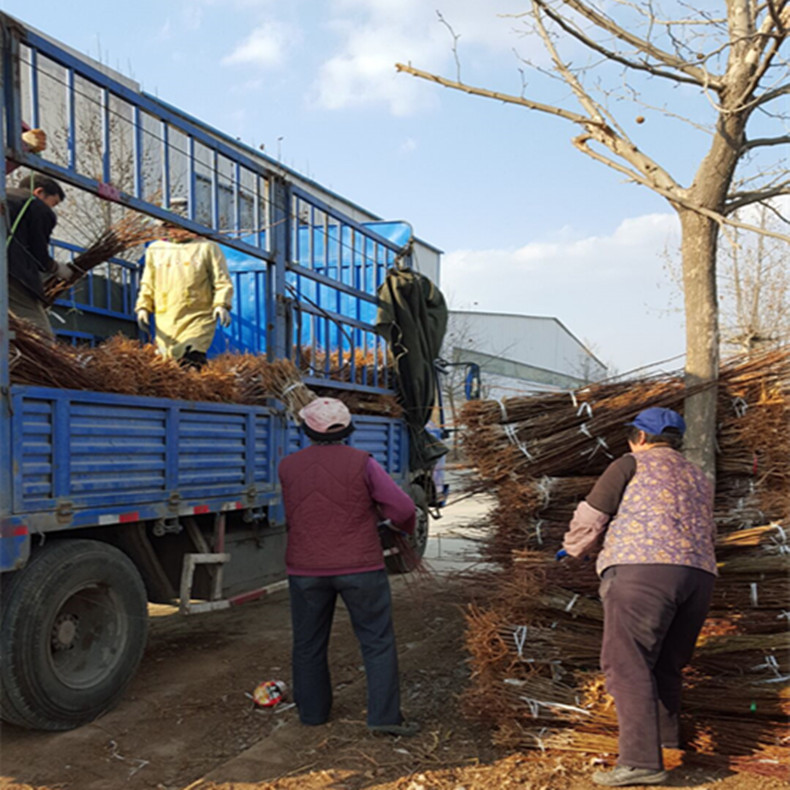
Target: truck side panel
{"type": "Point", "coordinates": [85, 459]}
{"type": "Point", "coordinates": [92, 451]}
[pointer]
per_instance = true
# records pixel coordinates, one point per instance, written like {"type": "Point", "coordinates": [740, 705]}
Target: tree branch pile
{"type": "Point", "coordinates": [121, 365]}
{"type": "Point", "coordinates": [534, 635]}
{"type": "Point", "coordinates": [370, 368]}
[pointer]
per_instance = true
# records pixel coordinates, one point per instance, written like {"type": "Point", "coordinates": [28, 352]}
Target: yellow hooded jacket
{"type": "Point", "coordinates": [182, 283]}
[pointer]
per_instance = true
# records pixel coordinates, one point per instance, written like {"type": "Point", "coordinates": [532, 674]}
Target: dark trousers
{"type": "Point", "coordinates": [192, 359]}
{"type": "Point", "coordinates": [367, 598]}
{"type": "Point", "coordinates": [652, 617]}
{"type": "Point", "coordinates": [23, 304]}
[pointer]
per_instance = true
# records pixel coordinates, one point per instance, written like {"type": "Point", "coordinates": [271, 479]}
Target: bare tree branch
{"type": "Point", "coordinates": [765, 141]}
{"type": "Point", "coordinates": [608, 25]}
{"type": "Point", "coordinates": [593, 109]}
{"type": "Point", "coordinates": [739, 200]}
{"type": "Point", "coordinates": [771, 30]}
{"type": "Point", "coordinates": [455, 36]}
{"type": "Point", "coordinates": [769, 96]}
{"type": "Point", "coordinates": [496, 95]}
{"type": "Point", "coordinates": [775, 16]}
{"type": "Point", "coordinates": [611, 54]}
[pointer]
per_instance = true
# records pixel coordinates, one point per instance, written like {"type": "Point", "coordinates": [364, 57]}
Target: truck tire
{"type": "Point", "coordinates": [74, 625]}
{"type": "Point", "coordinates": [407, 562]}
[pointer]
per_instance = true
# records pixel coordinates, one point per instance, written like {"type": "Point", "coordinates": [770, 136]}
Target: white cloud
{"type": "Point", "coordinates": [375, 34]}
{"type": "Point", "coordinates": [263, 47]}
{"type": "Point", "coordinates": [408, 145]}
{"type": "Point", "coordinates": [609, 290]}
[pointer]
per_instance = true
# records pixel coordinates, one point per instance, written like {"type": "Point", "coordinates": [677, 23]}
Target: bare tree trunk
{"type": "Point", "coordinates": [702, 337]}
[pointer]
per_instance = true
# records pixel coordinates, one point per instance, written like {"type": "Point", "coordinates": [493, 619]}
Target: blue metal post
{"type": "Point", "coordinates": [191, 178]}
{"type": "Point", "coordinates": [214, 190]}
{"type": "Point", "coordinates": [165, 166]}
{"type": "Point", "coordinates": [34, 118]}
{"type": "Point", "coordinates": [139, 152]}
{"type": "Point", "coordinates": [105, 126]}
{"type": "Point", "coordinates": [7, 112]}
{"type": "Point", "coordinates": [71, 114]}
{"type": "Point", "coordinates": [237, 201]}
{"type": "Point", "coordinates": [276, 308]}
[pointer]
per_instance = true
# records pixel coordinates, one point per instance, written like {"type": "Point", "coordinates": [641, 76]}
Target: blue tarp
{"type": "Point", "coordinates": [336, 251]}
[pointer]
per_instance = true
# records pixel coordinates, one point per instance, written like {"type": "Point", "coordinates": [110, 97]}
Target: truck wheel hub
{"type": "Point", "coordinates": [64, 632]}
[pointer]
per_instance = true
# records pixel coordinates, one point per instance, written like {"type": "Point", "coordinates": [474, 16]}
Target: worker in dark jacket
{"type": "Point", "coordinates": [335, 496]}
{"type": "Point", "coordinates": [31, 220]}
{"type": "Point", "coordinates": [657, 568]}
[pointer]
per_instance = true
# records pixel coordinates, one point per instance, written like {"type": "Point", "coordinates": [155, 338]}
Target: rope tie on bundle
{"type": "Point", "coordinates": [520, 638]}
{"type": "Point", "coordinates": [510, 432]}
{"type": "Point", "coordinates": [739, 406]}
{"type": "Point", "coordinates": [572, 602]}
{"type": "Point", "coordinates": [544, 486]}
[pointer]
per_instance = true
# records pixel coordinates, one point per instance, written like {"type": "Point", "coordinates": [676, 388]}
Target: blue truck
{"type": "Point", "coordinates": [109, 502]}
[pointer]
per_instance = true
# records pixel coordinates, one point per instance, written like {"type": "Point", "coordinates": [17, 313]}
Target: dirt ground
{"type": "Point", "coordinates": [187, 722]}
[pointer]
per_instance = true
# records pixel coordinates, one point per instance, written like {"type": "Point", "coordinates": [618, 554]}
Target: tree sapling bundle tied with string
{"type": "Point", "coordinates": [129, 232]}
{"type": "Point", "coordinates": [534, 634]}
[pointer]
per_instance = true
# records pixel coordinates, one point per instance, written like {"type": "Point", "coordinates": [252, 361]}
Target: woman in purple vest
{"type": "Point", "coordinates": [335, 496]}
{"type": "Point", "coordinates": [657, 568]}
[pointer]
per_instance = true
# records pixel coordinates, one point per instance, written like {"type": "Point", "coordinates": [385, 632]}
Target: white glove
{"type": "Point", "coordinates": [143, 319]}
{"type": "Point", "coordinates": [222, 314]}
{"type": "Point", "coordinates": [63, 271]}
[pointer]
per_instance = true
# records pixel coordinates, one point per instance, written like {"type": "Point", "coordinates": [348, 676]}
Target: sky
{"type": "Point", "coordinates": [526, 223]}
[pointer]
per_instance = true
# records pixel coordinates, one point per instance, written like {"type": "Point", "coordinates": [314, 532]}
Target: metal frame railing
{"type": "Point", "coordinates": [144, 153]}
{"type": "Point", "coordinates": [124, 275]}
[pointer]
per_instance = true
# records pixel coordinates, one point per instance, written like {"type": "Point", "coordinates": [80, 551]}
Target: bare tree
{"type": "Point", "coordinates": [733, 67]}
{"type": "Point", "coordinates": [754, 288]}
{"type": "Point", "coordinates": [753, 284]}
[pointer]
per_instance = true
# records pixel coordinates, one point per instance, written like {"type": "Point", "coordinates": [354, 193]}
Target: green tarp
{"type": "Point", "coordinates": [412, 316]}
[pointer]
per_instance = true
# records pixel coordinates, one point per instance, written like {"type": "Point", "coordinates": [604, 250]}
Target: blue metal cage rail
{"type": "Point", "coordinates": [306, 275]}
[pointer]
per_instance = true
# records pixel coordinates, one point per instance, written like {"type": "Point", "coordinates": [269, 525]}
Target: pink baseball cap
{"type": "Point", "coordinates": [326, 415]}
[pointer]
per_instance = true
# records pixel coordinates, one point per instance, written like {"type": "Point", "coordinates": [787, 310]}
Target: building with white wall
{"type": "Point", "coordinates": [520, 353]}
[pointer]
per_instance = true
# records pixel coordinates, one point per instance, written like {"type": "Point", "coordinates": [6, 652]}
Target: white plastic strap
{"type": "Point", "coordinates": [602, 443]}
{"type": "Point", "coordinates": [510, 430]}
{"type": "Point", "coordinates": [535, 704]}
{"type": "Point", "coordinates": [520, 638]}
{"type": "Point", "coordinates": [772, 664]}
{"type": "Point", "coordinates": [292, 387]}
{"type": "Point", "coordinates": [599, 443]}
{"type": "Point", "coordinates": [585, 430]}
{"type": "Point", "coordinates": [544, 486]}
{"type": "Point", "coordinates": [753, 587]}
{"type": "Point", "coordinates": [503, 409]}
{"type": "Point", "coordinates": [539, 531]}
{"type": "Point", "coordinates": [573, 398]}
{"type": "Point", "coordinates": [739, 406]}
{"type": "Point", "coordinates": [572, 602]}
{"type": "Point", "coordinates": [585, 407]}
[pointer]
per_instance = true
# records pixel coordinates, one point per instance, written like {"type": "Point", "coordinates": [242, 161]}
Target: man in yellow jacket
{"type": "Point", "coordinates": [186, 284]}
